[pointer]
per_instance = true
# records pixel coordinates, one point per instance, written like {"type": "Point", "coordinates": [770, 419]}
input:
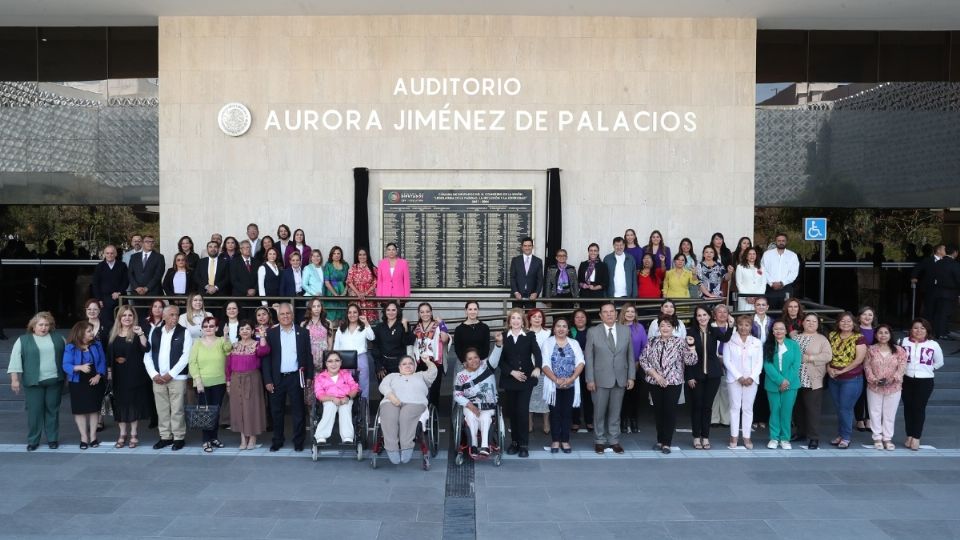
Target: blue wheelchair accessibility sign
{"type": "Point", "coordinates": [815, 229]}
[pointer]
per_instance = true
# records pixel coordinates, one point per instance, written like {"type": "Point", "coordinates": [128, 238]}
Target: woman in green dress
{"type": "Point", "coordinates": [335, 282]}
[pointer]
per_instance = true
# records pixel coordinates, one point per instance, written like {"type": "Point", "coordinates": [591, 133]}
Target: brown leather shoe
{"type": "Point", "coordinates": [599, 448]}
{"type": "Point", "coordinates": [617, 449]}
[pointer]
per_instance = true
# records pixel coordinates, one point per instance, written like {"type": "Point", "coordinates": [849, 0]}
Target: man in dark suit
{"type": "Point", "coordinates": [110, 280]}
{"type": "Point", "coordinates": [922, 277]}
{"type": "Point", "coordinates": [212, 275]}
{"type": "Point", "coordinates": [290, 361]}
{"type": "Point", "coordinates": [610, 371]}
{"type": "Point", "coordinates": [946, 291]}
{"type": "Point", "coordinates": [243, 275]}
{"type": "Point", "coordinates": [146, 270]}
{"type": "Point", "coordinates": [526, 275]}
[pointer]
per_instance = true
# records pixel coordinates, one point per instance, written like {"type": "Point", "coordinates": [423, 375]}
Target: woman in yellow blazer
{"type": "Point", "coordinates": [678, 278]}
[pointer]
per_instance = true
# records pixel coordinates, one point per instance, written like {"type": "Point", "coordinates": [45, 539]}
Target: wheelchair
{"type": "Point", "coordinates": [360, 413]}
{"type": "Point", "coordinates": [461, 437]}
{"type": "Point", "coordinates": [427, 437]}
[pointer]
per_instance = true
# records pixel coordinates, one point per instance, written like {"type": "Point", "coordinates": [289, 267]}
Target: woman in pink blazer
{"type": "Point", "coordinates": [393, 275]}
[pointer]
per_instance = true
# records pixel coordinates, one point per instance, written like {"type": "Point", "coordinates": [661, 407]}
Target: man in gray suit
{"type": "Point", "coordinates": [610, 370]}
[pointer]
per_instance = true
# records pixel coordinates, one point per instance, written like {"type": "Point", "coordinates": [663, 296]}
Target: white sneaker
{"type": "Point", "coordinates": [772, 445]}
{"type": "Point", "coordinates": [786, 445]}
{"type": "Point", "coordinates": [321, 440]}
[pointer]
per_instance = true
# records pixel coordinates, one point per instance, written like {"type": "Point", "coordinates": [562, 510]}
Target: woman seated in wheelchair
{"type": "Point", "coordinates": [475, 389]}
{"type": "Point", "coordinates": [335, 390]}
{"type": "Point", "coordinates": [405, 400]}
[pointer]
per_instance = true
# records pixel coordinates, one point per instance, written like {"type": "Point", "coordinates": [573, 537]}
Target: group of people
{"type": "Point", "coordinates": [745, 372]}
{"type": "Point", "coordinates": [253, 267]}
{"type": "Point", "coordinates": [633, 270]}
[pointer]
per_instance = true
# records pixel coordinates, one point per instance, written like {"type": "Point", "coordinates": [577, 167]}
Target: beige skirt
{"type": "Point", "coordinates": [247, 408]}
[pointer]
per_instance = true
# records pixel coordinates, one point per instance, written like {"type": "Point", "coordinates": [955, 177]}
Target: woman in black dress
{"type": "Point", "coordinates": [472, 333]}
{"type": "Point", "coordinates": [392, 336]}
{"type": "Point", "coordinates": [132, 393]}
{"type": "Point", "coordinates": [86, 367]}
{"type": "Point", "coordinates": [520, 361]}
{"type": "Point", "coordinates": [593, 275]}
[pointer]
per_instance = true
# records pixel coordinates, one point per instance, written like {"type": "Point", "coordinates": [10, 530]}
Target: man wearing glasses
{"type": "Point", "coordinates": [166, 365]}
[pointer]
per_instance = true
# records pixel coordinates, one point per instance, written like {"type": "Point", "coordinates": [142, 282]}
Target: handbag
{"type": "Point", "coordinates": [202, 416]}
{"type": "Point", "coordinates": [106, 408]}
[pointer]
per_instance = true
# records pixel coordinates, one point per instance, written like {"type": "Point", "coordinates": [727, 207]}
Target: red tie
{"type": "Point", "coordinates": [248, 264]}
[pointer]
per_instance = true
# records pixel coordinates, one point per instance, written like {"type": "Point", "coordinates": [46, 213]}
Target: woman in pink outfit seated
{"type": "Point", "coordinates": [393, 275]}
{"type": "Point", "coordinates": [335, 389]}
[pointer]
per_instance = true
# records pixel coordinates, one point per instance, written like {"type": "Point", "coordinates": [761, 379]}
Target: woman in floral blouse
{"type": "Point", "coordinates": [884, 368]}
{"type": "Point", "coordinates": [430, 344]}
{"type": "Point", "coordinates": [663, 362]}
{"type": "Point", "coordinates": [711, 274]}
{"type": "Point", "coordinates": [362, 282]}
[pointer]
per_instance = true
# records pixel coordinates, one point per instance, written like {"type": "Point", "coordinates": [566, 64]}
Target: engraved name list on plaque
{"type": "Point", "coordinates": [457, 238]}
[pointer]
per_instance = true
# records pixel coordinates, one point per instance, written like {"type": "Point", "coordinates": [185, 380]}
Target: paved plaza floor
{"type": "Point", "coordinates": [739, 494]}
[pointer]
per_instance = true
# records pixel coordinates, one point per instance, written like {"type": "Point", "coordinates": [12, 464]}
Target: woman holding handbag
{"type": "Point", "coordinates": [208, 359]}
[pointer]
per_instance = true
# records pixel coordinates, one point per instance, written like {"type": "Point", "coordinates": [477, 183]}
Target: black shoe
{"type": "Point", "coordinates": [162, 443]}
{"type": "Point", "coordinates": [554, 450]}
{"type": "Point", "coordinates": [567, 450]}
{"type": "Point", "coordinates": [523, 452]}
{"type": "Point", "coordinates": [84, 446]}
{"type": "Point", "coordinates": [32, 447]}
{"type": "Point", "coordinates": [298, 448]}
{"type": "Point", "coordinates": [624, 426]}
{"type": "Point", "coordinates": [276, 446]}
{"type": "Point", "coordinates": [95, 443]}
{"type": "Point", "coordinates": [513, 449]}
{"type": "Point", "coordinates": [814, 444]}
{"type": "Point", "coordinates": [634, 425]}
{"type": "Point", "coordinates": [177, 445]}
{"type": "Point", "coordinates": [53, 445]}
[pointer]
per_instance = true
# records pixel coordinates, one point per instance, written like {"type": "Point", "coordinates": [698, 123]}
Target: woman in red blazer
{"type": "Point", "coordinates": [393, 275]}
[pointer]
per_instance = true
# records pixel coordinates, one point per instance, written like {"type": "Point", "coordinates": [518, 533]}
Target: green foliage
{"type": "Point", "coordinates": [92, 227]}
{"type": "Point", "coordinates": [894, 228]}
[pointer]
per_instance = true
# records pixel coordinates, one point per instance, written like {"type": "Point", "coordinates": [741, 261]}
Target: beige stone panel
{"type": "Point", "coordinates": [168, 52]}
{"type": "Point", "coordinates": [208, 53]}
{"type": "Point", "coordinates": [672, 28]}
{"type": "Point", "coordinates": [713, 88]}
{"type": "Point", "coordinates": [169, 118]}
{"type": "Point", "coordinates": [202, 86]}
{"type": "Point", "coordinates": [170, 157]}
{"type": "Point", "coordinates": [209, 26]}
{"type": "Point", "coordinates": [168, 26]}
{"type": "Point", "coordinates": [289, 154]}
{"type": "Point", "coordinates": [747, 29]}
{"type": "Point", "coordinates": [244, 87]}
{"type": "Point", "coordinates": [744, 156]}
{"type": "Point", "coordinates": [669, 88]}
{"type": "Point", "coordinates": [408, 53]}
{"type": "Point", "coordinates": [195, 121]}
{"type": "Point", "coordinates": [630, 55]}
{"type": "Point", "coordinates": [290, 86]}
{"type": "Point", "coordinates": [746, 89]}
{"type": "Point", "coordinates": [744, 55]}
{"type": "Point", "coordinates": [668, 55]}
{"type": "Point", "coordinates": [169, 86]}
{"type": "Point", "coordinates": [484, 26]}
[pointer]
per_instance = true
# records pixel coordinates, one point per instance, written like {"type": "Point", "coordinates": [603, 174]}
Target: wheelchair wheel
{"type": "Point", "coordinates": [375, 444]}
{"type": "Point", "coordinates": [457, 433]}
{"type": "Point", "coordinates": [501, 439]}
{"type": "Point", "coordinates": [316, 452]}
{"type": "Point", "coordinates": [434, 431]}
{"type": "Point", "coordinates": [359, 451]}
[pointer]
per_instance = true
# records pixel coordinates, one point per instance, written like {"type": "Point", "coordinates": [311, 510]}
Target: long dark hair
{"type": "Point", "coordinates": [693, 318]}
{"type": "Point", "coordinates": [369, 265]}
{"type": "Point", "coordinates": [309, 314]}
{"type": "Point", "coordinates": [345, 323]}
{"type": "Point", "coordinates": [770, 346]}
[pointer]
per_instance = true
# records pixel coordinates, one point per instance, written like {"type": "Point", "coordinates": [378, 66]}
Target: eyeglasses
{"type": "Point", "coordinates": [209, 326]}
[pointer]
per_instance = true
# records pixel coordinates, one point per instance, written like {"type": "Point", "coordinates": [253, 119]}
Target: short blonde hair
{"type": "Point", "coordinates": [623, 310]}
{"type": "Point", "coordinates": [41, 315]}
{"type": "Point", "coordinates": [517, 311]}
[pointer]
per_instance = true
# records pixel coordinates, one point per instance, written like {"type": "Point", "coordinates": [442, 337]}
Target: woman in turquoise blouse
{"type": "Point", "coordinates": [313, 283]}
{"type": "Point", "coordinates": [781, 365]}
